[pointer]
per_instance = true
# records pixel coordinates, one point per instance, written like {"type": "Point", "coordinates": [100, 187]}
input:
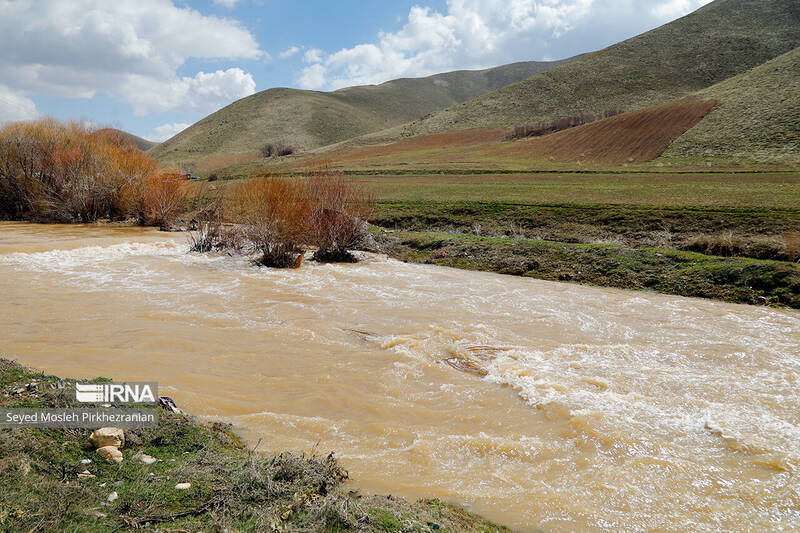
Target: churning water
{"type": "Point", "coordinates": [540, 405]}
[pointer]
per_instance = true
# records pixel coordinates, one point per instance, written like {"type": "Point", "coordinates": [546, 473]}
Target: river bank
{"type": "Point", "coordinates": [47, 485]}
{"type": "Point", "coordinates": [748, 255]}
{"type": "Point", "coordinates": [731, 279]}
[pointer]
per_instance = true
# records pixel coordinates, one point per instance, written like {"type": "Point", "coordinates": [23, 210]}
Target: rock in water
{"type": "Point", "coordinates": [107, 437]}
{"type": "Point", "coordinates": [110, 454]}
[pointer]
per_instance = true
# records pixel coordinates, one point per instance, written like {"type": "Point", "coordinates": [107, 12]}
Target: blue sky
{"type": "Point", "coordinates": [152, 67]}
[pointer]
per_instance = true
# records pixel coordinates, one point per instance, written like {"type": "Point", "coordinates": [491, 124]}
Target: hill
{"type": "Point", "coordinates": [143, 144]}
{"type": "Point", "coordinates": [757, 119]}
{"type": "Point", "coordinates": [716, 42]}
{"type": "Point", "coordinates": [310, 119]}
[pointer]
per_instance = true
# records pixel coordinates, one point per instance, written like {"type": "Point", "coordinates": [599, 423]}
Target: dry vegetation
{"type": "Point", "coordinates": [340, 208]}
{"type": "Point", "coordinates": [56, 172]}
{"type": "Point", "coordinates": [278, 217]}
{"type": "Point", "coordinates": [545, 128]}
{"type": "Point", "coordinates": [273, 215]}
{"type": "Point", "coordinates": [276, 150]}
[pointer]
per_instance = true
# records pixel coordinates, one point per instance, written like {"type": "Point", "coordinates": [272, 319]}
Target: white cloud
{"type": "Point", "coordinates": [289, 52]}
{"type": "Point", "coordinates": [226, 3]}
{"type": "Point", "coordinates": [312, 77]}
{"type": "Point", "coordinates": [81, 47]}
{"type": "Point", "coordinates": [313, 55]}
{"type": "Point", "coordinates": [167, 131]}
{"type": "Point", "coordinates": [677, 8]}
{"type": "Point", "coordinates": [14, 106]}
{"type": "Point", "coordinates": [473, 34]}
{"type": "Point", "coordinates": [202, 93]}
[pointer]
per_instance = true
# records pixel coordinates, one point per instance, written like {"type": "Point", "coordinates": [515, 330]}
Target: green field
{"type": "Point", "coordinates": [727, 189]}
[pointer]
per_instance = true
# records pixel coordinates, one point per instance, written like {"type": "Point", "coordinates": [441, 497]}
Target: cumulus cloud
{"type": "Point", "coordinates": [473, 34]}
{"type": "Point", "coordinates": [14, 106]}
{"type": "Point", "coordinates": [203, 92]}
{"type": "Point", "coordinates": [313, 55]}
{"type": "Point", "coordinates": [167, 131]}
{"type": "Point", "coordinates": [313, 77]}
{"type": "Point", "coordinates": [82, 47]}
{"type": "Point", "coordinates": [289, 52]}
{"type": "Point", "coordinates": [226, 3]}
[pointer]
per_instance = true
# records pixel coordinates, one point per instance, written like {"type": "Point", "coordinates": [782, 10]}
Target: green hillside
{"type": "Point", "coordinates": [309, 119]}
{"type": "Point", "coordinates": [143, 144]}
{"type": "Point", "coordinates": [720, 40]}
{"type": "Point", "coordinates": [758, 117]}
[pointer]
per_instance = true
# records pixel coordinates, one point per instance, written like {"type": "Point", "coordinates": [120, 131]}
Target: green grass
{"type": "Point", "coordinates": [757, 119]}
{"type": "Point", "coordinates": [749, 232]}
{"type": "Point", "coordinates": [733, 279]}
{"type": "Point", "coordinates": [233, 488]}
{"type": "Point", "coordinates": [720, 40]}
{"type": "Point", "coordinates": [728, 189]}
{"type": "Point", "coordinates": [309, 119]}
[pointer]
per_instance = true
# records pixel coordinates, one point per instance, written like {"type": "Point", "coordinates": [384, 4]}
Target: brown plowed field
{"type": "Point", "coordinates": [636, 136]}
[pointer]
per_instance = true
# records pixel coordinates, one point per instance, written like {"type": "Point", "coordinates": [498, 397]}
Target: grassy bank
{"type": "Point", "coordinates": [43, 486]}
{"type": "Point", "coordinates": [729, 231]}
{"type": "Point", "coordinates": [732, 279]}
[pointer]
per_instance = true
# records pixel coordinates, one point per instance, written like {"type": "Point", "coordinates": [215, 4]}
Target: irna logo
{"type": "Point", "coordinates": [116, 392]}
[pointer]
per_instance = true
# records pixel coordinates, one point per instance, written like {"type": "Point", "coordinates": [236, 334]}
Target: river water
{"type": "Point", "coordinates": [539, 405]}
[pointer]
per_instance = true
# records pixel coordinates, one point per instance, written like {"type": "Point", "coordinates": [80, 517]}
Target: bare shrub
{"type": "Point", "coordinates": [339, 208]}
{"type": "Point", "coordinates": [163, 198]}
{"type": "Point", "coordinates": [213, 233]}
{"type": "Point", "coordinates": [276, 150]}
{"type": "Point", "coordinates": [274, 215]}
{"type": "Point", "coordinates": [543, 128]}
{"type": "Point", "coordinates": [51, 171]}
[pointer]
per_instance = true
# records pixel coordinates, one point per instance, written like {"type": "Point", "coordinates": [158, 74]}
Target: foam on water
{"type": "Point", "coordinates": [599, 409]}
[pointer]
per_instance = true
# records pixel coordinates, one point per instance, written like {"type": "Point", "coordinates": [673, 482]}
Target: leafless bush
{"type": "Point", "coordinates": [276, 150]}
{"type": "Point", "coordinates": [274, 216]}
{"type": "Point", "coordinates": [339, 208]}
{"type": "Point", "coordinates": [213, 233]}
{"type": "Point", "coordinates": [51, 171]}
{"type": "Point", "coordinates": [163, 197]}
{"type": "Point", "coordinates": [544, 128]}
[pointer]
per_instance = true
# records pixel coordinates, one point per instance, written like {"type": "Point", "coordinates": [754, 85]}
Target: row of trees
{"type": "Point", "coordinates": [56, 172]}
{"type": "Point", "coordinates": [278, 217]}
{"type": "Point", "coordinates": [545, 128]}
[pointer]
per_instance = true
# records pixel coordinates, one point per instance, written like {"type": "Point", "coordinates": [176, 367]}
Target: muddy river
{"type": "Point", "coordinates": [539, 405]}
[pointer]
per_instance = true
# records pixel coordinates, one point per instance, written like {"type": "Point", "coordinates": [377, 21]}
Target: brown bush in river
{"type": "Point", "coordinates": [339, 208]}
{"type": "Point", "coordinates": [273, 214]}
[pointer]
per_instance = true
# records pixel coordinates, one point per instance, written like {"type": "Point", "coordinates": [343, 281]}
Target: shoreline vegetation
{"type": "Point", "coordinates": [738, 255]}
{"type": "Point", "coordinates": [183, 476]}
